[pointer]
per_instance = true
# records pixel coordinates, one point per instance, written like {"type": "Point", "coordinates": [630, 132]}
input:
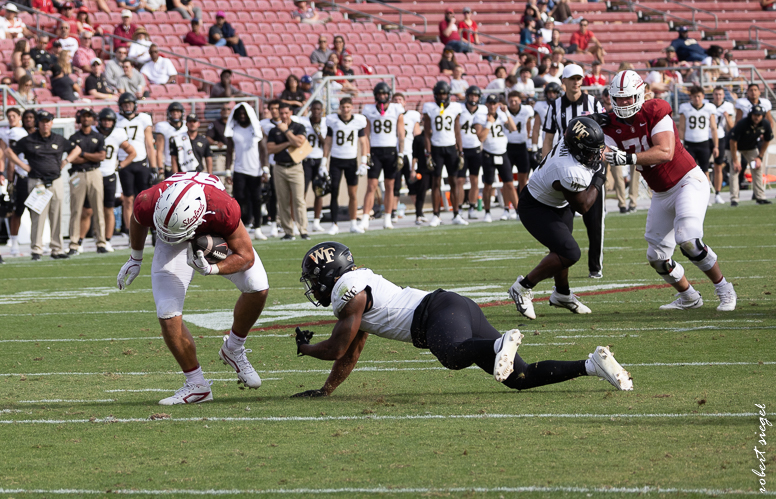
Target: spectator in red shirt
{"type": "Point", "coordinates": [44, 6]}
{"type": "Point", "coordinates": [586, 41]}
{"type": "Point", "coordinates": [472, 36]}
{"type": "Point", "coordinates": [125, 30]}
{"type": "Point", "coordinates": [68, 16]}
{"type": "Point", "coordinates": [594, 78]}
{"type": "Point", "coordinates": [448, 33]}
{"type": "Point", "coordinates": [196, 37]}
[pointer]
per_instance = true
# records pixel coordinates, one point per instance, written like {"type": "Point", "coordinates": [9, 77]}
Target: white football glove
{"type": "Point", "coordinates": [362, 169]}
{"type": "Point", "coordinates": [265, 173]}
{"type": "Point", "coordinates": [617, 157]}
{"type": "Point", "coordinates": [197, 262]}
{"type": "Point", "coordinates": [128, 272]}
{"type": "Point", "coordinates": [322, 170]}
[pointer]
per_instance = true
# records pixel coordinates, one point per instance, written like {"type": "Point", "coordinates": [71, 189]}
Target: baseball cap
{"type": "Point", "coordinates": [550, 20]}
{"type": "Point", "coordinates": [491, 99]}
{"type": "Point", "coordinates": [220, 13]}
{"type": "Point", "coordinates": [192, 117]}
{"type": "Point", "coordinates": [83, 8]}
{"type": "Point", "coordinates": [758, 110]}
{"type": "Point", "coordinates": [467, 9]}
{"type": "Point", "coordinates": [86, 110]}
{"type": "Point", "coordinates": [96, 61]}
{"type": "Point", "coordinates": [670, 49]}
{"type": "Point", "coordinates": [194, 20]}
{"type": "Point", "coordinates": [45, 116]}
{"type": "Point", "coordinates": [682, 29]}
{"type": "Point", "coordinates": [449, 10]}
{"type": "Point", "coordinates": [554, 65]}
{"type": "Point", "coordinates": [126, 13]}
{"type": "Point", "coordinates": [329, 64]}
{"type": "Point", "coordinates": [573, 70]}
{"type": "Point", "coordinates": [596, 62]}
{"type": "Point", "coordinates": [729, 55]}
{"type": "Point", "coordinates": [67, 5]}
{"type": "Point", "coordinates": [9, 7]}
{"type": "Point", "coordinates": [306, 79]}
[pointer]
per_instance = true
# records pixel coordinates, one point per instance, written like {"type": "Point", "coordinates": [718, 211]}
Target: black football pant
{"type": "Point", "coordinates": [594, 222]}
{"type": "Point", "coordinates": [247, 192]}
{"type": "Point", "coordinates": [459, 335]}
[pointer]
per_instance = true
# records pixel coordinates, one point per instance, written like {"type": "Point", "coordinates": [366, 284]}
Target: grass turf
{"type": "Point", "coordinates": [401, 423]}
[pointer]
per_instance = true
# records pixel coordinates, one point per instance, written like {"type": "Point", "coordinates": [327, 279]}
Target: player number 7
{"type": "Point", "coordinates": [639, 145]}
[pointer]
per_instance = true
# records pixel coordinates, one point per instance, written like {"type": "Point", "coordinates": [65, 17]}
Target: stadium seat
{"type": "Point", "coordinates": [248, 87]}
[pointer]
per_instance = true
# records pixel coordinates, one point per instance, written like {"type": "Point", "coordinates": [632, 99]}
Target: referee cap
{"type": "Point", "coordinates": [573, 70]}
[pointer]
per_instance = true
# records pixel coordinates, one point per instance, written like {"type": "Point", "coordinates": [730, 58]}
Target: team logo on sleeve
{"type": "Point", "coordinates": [323, 255]}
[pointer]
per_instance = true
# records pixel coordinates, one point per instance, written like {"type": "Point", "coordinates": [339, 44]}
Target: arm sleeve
{"type": "Point", "coordinates": [329, 131]}
{"type": "Point", "coordinates": [20, 146]}
{"type": "Point", "coordinates": [666, 124]}
{"type": "Point", "coordinates": [362, 132]}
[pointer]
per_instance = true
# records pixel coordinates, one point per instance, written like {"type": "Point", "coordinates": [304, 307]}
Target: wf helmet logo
{"type": "Point", "coordinates": [322, 255]}
{"type": "Point", "coordinates": [579, 130]}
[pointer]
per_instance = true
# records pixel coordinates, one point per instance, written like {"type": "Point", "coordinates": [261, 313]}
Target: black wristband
{"type": "Point", "coordinates": [598, 180]}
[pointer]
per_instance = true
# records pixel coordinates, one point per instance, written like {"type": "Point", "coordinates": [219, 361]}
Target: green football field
{"type": "Point", "coordinates": [82, 367]}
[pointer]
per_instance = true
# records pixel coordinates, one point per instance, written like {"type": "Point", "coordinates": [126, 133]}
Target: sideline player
{"type": "Point", "coordinates": [165, 131]}
{"type": "Point", "coordinates": [365, 302]}
{"type": "Point", "coordinates": [643, 134]}
{"type": "Point", "coordinates": [412, 121]}
{"type": "Point", "coordinates": [472, 147]}
{"type": "Point", "coordinates": [568, 180]}
{"type": "Point", "coordinates": [16, 175]}
{"type": "Point", "coordinates": [136, 176]}
{"type": "Point", "coordinates": [315, 130]}
{"type": "Point", "coordinates": [385, 123]}
{"type": "Point", "coordinates": [698, 129]}
{"type": "Point", "coordinates": [442, 127]}
{"type": "Point", "coordinates": [518, 146]}
{"type": "Point", "coordinates": [346, 131]}
{"type": "Point", "coordinates": [724, 116]}
{"type": "Point", "coordinates": [490, 129]}
{"type": "Point", "coordinates": [183, 207]}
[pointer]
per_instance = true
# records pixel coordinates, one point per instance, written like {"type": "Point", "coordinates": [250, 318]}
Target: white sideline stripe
{"type": "Point", "coordinates": [283, 419]}
{"type": "Point", "coordinates": [168, 390]}
{"type": "Point", "coordinates": [372, 369]}
{"type": "Point", "coordinates": [81, 340]}
{"type": "Point", "coordinates": [390, 490]}
{"type": "Point", "coordinates": [56, 401]}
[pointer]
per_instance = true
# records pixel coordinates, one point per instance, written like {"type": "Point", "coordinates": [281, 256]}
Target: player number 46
{"type": "Point", "coordinates": [639, 145]}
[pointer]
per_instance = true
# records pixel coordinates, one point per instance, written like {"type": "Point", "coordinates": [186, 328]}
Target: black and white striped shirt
{"type": "Point", "coordinates": [561, 111]}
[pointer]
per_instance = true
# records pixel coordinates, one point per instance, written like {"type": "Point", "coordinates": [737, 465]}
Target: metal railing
{"type": "Point", "coordinates": [694, 10]}
{"type": "Point", "coordinates": [324, 94]}
{"type": "Point", "coordinates": [756, 38]}
{"type": "Point", "coordinates": [633, 6]}
{"type": "Point", "coordinates": [108, 47]}
{"type": "Point", "coordinates": [401, 12]}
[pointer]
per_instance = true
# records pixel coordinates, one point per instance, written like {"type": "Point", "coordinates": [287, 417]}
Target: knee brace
{"type": "Point", "coordinates": [699, 254]}
{"type": "Point", "coordinates": [669, 270]}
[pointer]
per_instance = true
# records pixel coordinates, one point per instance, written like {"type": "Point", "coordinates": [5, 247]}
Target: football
{"type": "Point", "coordinates": [214, 248]}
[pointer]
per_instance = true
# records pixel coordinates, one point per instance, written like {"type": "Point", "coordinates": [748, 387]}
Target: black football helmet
{"type": "Point", "coordinates": [551, 87]}
{"type": "Point", "coordinates": [442, 93]}
{"type": "Point", "coordinates": [322, 186]}
{"type": "Point", "coordinates": [585, 141]}
{"type": "Point", "coordinates": [125, 98]}
{"type": "Point", "coordinates": [107, 114]}
{"type": "Point", "coordinates": [175, 106]}
{"type": "Point", "coordinates": [471, 92]}
{"type": "Point", "coordinates": [382, 88]}
{"type": "Point", "coordinates": [321, 267]}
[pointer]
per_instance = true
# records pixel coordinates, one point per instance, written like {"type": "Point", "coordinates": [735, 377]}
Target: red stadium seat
{"type": "Point", "coordinates": [209, 51]}
{"type": "Point", "coordinates": [158, 91]}
{"type": "Point", "coordinates": [269, 73]}
{"type": "Point", "coordinates": [248, 87]}
{"type": "Point", "coordinates": [287, 38]}
{"type": "Point", "coordinates": [274, 62]}
{"type": "Point", "coordinates": [280, 49]}
{"type": "Point", "coordinates": [302, 60]}
{"type": "Point", "coordinates": [273, 39]}
{"type": "Point", "coordinates": [294, 49]}
{"type": "Point", "coordinates": [430, 81]}
{"type": "Point", "coordinates": [252, 50]}
{"type": "Point", "coordinates": [188, 89]}
{"type": "Point", "coordinates": [397, 58]}
{"type": "Point", "coordinates": [255, 72]}
{"type": "Point", "coordinates": [424, 58]}
{"type": "Point", "coordinates": [259, 61]}
{"type": "Point", "coordinates": [383, 59]}
{"type": "Point", "coordinates": [283, 73]}
{"type": "Point", "coordinates": [288, 60]}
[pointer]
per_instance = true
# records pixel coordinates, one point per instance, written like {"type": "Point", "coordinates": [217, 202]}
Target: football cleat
{"type": "Point", "coordinates": [609, 369]}
{"type": "Point", "coordinates": [190, 394]}
{"type": "Point", "coordinates": [15, 249]}
{"type": "Point", "coordinates": [522, 298]}
{"type": "Point", "coordinates": [317, 226]}
{"type": "Point", "coordinates": [73, 252]}
{"type": "Point", "coordinates": [246, 374]}
{"type": "Point", "coordinates": [504, 215]}
{"type": "Point", "coordinates": [355, 229]}
{"type": "Point", "coordinates": [387, 223]}
{"type": "Point", "coordinates": [435, 221]}
{"type": "Point", "coordinates": [505, 357]}
{"type": "Point", "coordinates": [419, 221]}
{"type": "Point", "coordinates": [487, 218]}
{"type": "Point", "coordinates": [458, 220]}
{"type": "Point", "coordinates": [718, 199]}
{"type": "Point", "coordinates": [727, 298]}
{"type": "Point", "coordinates": [108, 247]}
{"type": "Point", "coordinates": [570, 302]}
{"type": "Point", "coordinates": [473, 214]}
{"type": "Point", "coordinates": [596, 274]}
{"type": "Point", "coordinates": [513, 215]}
{"type": "Point", "coordinates": [258, 235]}
{"type": "Point", "coordinates": [682, 304]}
{"type": "Point", "coordinates": [364, 222]}
{"type": "Point", "coordinates": [334, 230]}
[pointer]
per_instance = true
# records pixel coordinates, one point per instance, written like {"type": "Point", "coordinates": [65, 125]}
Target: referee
{"type": "Point", "coordinates": [561, 111]}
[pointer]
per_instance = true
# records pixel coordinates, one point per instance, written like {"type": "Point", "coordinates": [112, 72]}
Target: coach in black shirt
{"type": "Point", "coordinates": [750, 137]}
{"type": "Point", "coordinates": [86, 181]}
{"type": "Point", "coordinates": [199, 147]}
{"type": "Point", "coordinates": [43, 151]}
{"type": "Point", "coordinates": [215, 131]}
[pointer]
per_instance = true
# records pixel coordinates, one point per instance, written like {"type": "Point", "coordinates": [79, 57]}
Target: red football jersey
{"type": "Point", "coordinates": [637, 137]}
{"type": "Point", "coordinates": [223, 212]}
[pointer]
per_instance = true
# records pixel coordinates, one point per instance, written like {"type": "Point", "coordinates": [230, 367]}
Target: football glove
{"type": "Point", "coordinates": [599, 177]}
{"type": "Point", "coordinates": [362, 169]}
{"type": "Point", "coordinates": [617, 157]}
{"type": "Point", "coordinates": [322, 171]}
{"type": "Point", "coordinates": [128, 272]}
{"type": "Point", "coordinates": [400, 162]}
{"type": "Point", "coordinates": [310, 393]}
{"type": "Point", "coordinates": [602, 119]}
{"type": "Point", "coordinates": [197, 261]}
{"type": "Point", "coordinates": [461, 161]}
{"type": "Point", "coordinates": [265, 173]}
{"type": "Point", "coordinates": [429, 161]}
{"type": "Point", "coordinates": [302, 338]}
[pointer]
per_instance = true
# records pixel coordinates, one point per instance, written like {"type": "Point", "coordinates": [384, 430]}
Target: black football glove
{"type": "Point", "coordinates": [310, 394]}
{"type": "Point", "coordinates": [602, 119]}
{"type": "Point", "coordinates": [429, 161]}
{"type": "Point", "coordinates": [599, 178]}
{"type": "Point", "coordinates": [302, 338]}
{"type": "Point", "coordinates": [461, 161]}
{"type": "Point", "coordinates": [537, 156]}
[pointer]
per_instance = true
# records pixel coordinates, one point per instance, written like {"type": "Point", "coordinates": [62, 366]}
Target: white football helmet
{"type": "Point", "coordinates": [626, 84]}
{"type": "Point", "coordinates": [179, 211]}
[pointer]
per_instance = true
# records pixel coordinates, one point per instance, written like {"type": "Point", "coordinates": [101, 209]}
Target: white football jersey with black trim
{"type": "Point", "coordinates": [561, 166]}
{"type": "Point", "coordinates": [392, 307]}
{"type": "Point", "coordinates": [521, 118]}
{"type": "Point", "coordinates": [10, 136]}
{"type": "Point", "coordinates": [442, 122]}
{"type": "Point", "coordinates": [469, 138]}
{"type": "Point", "coordinates": [135, 129]}
{"type": "Point", "coordinates": [312, 133]}
{"type": "Point", "coordinates": [110, 164]}
{"type": "Point", "coordinates": [745, 105]}
{"type": "Point", "coordinates": [697, 122]}
{"type": "Point", "coordinates": [496, 141]}
{"type": "Point", "coordinates": [168, 131]}
{"type": "Point", "coordinates": [382, 126]}
{"type": "Point", "coordinates": [344, 136]}
{"type": "Point", "coordinates": [540, 112]}
{"type": "Point", "coordinates": [410, 119]}
{"type": "Point", "coordinates": [726, 107]}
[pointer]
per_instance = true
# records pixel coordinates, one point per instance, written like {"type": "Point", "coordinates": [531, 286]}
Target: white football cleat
{"type": "Point", "coordinates": [458, 220]}
{"type": "Point", "coordinates": [682, 304]}
{"type": "Point", "coordinates": [609, 369]}
{"type": "Point", "coordinates": [257, 234]}
{"type": "Point", "coordinates": [504, 215]}
{"type": "Point", "coordinates": [473, 214]}
{"type": "Point", "coordinates": [15, 249]}
{"type": "Point", "coordinates": [522, 298]}
{"type": "Point", "coordinates": [513, 215]}
{"type": "Point", "coordinates": [505, 357]}
{"type": "Point", "coordinates": [333, 230]}
{"type": "Point", "coordinates": [569, 302]}
{"type": "Point", "coordinates": [387, 223]}
{"type": "Point", "coordinates": [246, 374]}
{"type": "Point", "coordinates": [435, 221]}
{"type": "Point", "coordinates": [718, 199]}
{"type": "Point", "coordinates": [108, 247]}
{"type": "Point", "coordinates": [355, 229]}
{"type": "Point", "coordinates": [364, 222]}
{"type": "Point", "coordinates": [273, 229]}
{"type": "Point", "coordinates": [727, 298]}
{"type": "Point", "coordinates": [487, 218]}
{"type": "Point", "coordinates": [317, 226]}
{"type": "Point", "coordinates": [190, 394]}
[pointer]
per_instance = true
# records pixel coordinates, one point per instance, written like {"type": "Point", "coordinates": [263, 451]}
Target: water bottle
{"type": "Point", "coordinates": [400, 210]}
